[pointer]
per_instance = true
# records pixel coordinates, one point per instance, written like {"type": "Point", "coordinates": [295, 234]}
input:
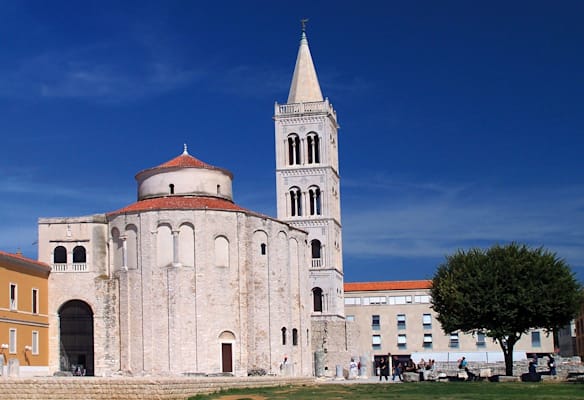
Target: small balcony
{"type": "Point", "coordinates": [317, 263]}
{"type": "Point", "coordinates": [73, 267]}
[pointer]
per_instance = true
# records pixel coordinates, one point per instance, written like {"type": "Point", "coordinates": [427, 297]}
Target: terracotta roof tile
{"type": "Point", "coordinates": [183, 161]}
{"type": "Point", "coordinates": [181, 203]}
{"type": "Point", "coordinates": [387, 285]}
{"type": "Point", "coordinates": [21, 260]}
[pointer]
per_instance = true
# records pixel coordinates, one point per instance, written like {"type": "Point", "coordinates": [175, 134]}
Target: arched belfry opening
{"type": "Point", "coordinates": [317, 299]}
{"type": "Point", "coordinates": [76, 338]}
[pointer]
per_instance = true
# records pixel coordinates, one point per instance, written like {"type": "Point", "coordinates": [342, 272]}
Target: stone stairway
{"type": "Point", "coordinates": [93, 388]}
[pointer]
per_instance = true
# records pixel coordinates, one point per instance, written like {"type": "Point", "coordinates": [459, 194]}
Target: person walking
{"type": "Point", "coordinates": [383, 369]}
{"type": "Point", "coordinates": [552, 365]}
{"type": "Point", "coordinates": [397, 369]}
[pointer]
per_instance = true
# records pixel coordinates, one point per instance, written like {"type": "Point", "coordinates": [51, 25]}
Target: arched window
{"type": "Point", "coordinates": [284, 336]}
{"type": "Point", "coordinates": [295, 202]}
{"type": "Point", "coordinates": [315, 200]}
{"type": "Point", "coordinates": [317, 299]}
{"type": "Point", "coordinates": [221, 251]}
{"type": "Point", "coordinates": [316, 248]}
{"type": "Point", "coordinates": [171, 188]}
{"type": "Point", "coordinates": [294, 337]}
{"type": "Point", "coordinates": [60, 255]}
{"type": "Point", "coordinates": [263, 249]}
{"type": "Point", "coordinates": [293, 149]}
{"type": "Point", "coordinates": [79, 254]}
{"type": "Point", "coordinates": [313, 143]}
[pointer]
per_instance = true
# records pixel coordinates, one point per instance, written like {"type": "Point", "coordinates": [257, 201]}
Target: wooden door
{"type": "Point", "coordinates": [226, 357]}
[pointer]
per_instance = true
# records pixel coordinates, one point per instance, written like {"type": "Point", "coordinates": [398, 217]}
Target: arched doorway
{"type": "Point", "coordinates": [227, 339]}
{"type": "Point", "coordinates": [76, 337]}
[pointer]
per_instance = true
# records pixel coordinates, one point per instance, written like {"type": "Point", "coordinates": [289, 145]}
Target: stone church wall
{"type": "Point", "coordinates": [336, 338]}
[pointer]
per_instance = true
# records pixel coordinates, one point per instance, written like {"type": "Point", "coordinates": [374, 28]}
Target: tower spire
{"type": "Point", "coordinates": [305, 86]}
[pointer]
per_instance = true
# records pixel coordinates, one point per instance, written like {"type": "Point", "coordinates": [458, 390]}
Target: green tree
{"type": "Point", "coordinates": [504, 292]}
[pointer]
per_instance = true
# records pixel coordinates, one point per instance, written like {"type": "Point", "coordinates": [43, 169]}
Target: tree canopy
{"type": "Point", "coordinates": [504, 292]}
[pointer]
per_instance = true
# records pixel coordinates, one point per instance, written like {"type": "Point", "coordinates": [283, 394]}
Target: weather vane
{"type": "Point", "coordinates": [303, 22]}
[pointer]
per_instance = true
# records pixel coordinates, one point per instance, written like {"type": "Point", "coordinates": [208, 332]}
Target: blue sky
{"type": "Point", "coordinates": [461, 122]}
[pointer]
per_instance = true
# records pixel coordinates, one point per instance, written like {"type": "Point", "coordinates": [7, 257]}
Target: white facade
{"type": "Point", "coordinates": [308, 183]}
{"type": "Point", "coordinates": [396, 318]}
{"type": "Point", "coordinates": [182, 281]}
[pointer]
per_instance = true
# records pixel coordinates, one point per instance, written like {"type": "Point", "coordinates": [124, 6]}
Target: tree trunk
{"type": "Point", "coordinates": [507, 346]}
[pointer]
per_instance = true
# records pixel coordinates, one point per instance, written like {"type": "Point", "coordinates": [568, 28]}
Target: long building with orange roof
{"type": "Point", "coordinates": [395, 318]}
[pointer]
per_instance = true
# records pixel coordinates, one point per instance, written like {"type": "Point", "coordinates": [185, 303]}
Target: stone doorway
{"type": "Point", "coordinates": [76, 338]}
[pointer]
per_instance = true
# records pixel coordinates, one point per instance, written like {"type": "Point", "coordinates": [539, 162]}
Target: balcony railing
{"type": "Point", "coordinates": [315, 107]}
{"type": "Point", "coordinates": [74, 267]}
{"type": "Point", "coordinates": [316, 262]}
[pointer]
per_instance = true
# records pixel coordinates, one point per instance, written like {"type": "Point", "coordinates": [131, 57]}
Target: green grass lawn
{"type": "Point", "coordinates": [410, 391]}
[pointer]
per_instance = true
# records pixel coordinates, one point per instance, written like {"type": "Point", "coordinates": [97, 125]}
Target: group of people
{"type": "Point", "coordinates": [533, 375]}
{"type": "Point", "coordinates": [426, 366]}
{"type": "Point", "coordinates": [399, 367]}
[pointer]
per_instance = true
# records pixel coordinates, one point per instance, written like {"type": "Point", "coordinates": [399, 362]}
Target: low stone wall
{"type": "Point", "coordinates": [564, 367]}
{"type": "Point", "coordinates": [92, 388]}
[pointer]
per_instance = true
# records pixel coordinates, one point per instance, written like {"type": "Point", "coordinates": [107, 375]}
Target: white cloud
{"type": "Point", "coordinates": [89, 73]}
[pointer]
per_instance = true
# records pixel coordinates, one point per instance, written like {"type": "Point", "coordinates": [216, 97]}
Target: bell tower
{"type": "Point", "coordinates": [307, 181]}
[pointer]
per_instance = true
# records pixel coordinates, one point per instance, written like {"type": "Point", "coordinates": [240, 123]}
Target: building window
{"type": "Point", "coordinates": [263, 249]}
{"type": "Point", "coordinates": [13, 297]}
{"type": "Point", "coordinates": [294, 337]}
{"type": "Point", "coordinates": [316, 251]}
{"type": "Point", "coordinates": [313, 143]}
{"type": "Point", "coordinates": [481, 339]}
{"type": "Point", "coordinates": [284, 336]}
{"type": "Point", "coordinates": [79, 255]}
{"type": "Point", "coordinates": [375, 322]}
{"type": "Point", "coordinates": [35, 343]}
{"type": "Point", "coordinates": [350, 318]}
{"type": "Point", "coordinates": [535, 339]}
{"type": "Point", "coordinates": [35, 301]}
{"type": "Point", "coordinates": [422, 299]}
{"type": "Point", "coordinates": [375, 300]}
{"type": "Point", "coordinates": [315, 200]}
{"type": "Point", "coordinates": [293, 150]}
{"type": "Point", "coordinates": [60, 255]}
{"type": "Point", "coordinates": [295, 202]}
{"type": "Point", "coordinates": [401, 321]}
{"type": "Point", "coordinates": [171, 188]}
{"type": "Point", "coordinates": [352, 301]}
{"type": "Point", "coordinates": [454, 340]}
{"type": "Point", "coordinates": [376, 342]}
{"type": "Point", "coordinates": [401, 341]}
{"type": "Point", "coordinates": [427, 340]}
{"type": "Point", "coordinates": [12, 341]}
{"type": "Point", "coordinates": [427, 321]}
{"type": "Point", "coordinates": [317, 299]}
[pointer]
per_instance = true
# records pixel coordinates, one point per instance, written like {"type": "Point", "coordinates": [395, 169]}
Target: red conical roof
{"type": "Point", "coordinates": [185, 160]}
